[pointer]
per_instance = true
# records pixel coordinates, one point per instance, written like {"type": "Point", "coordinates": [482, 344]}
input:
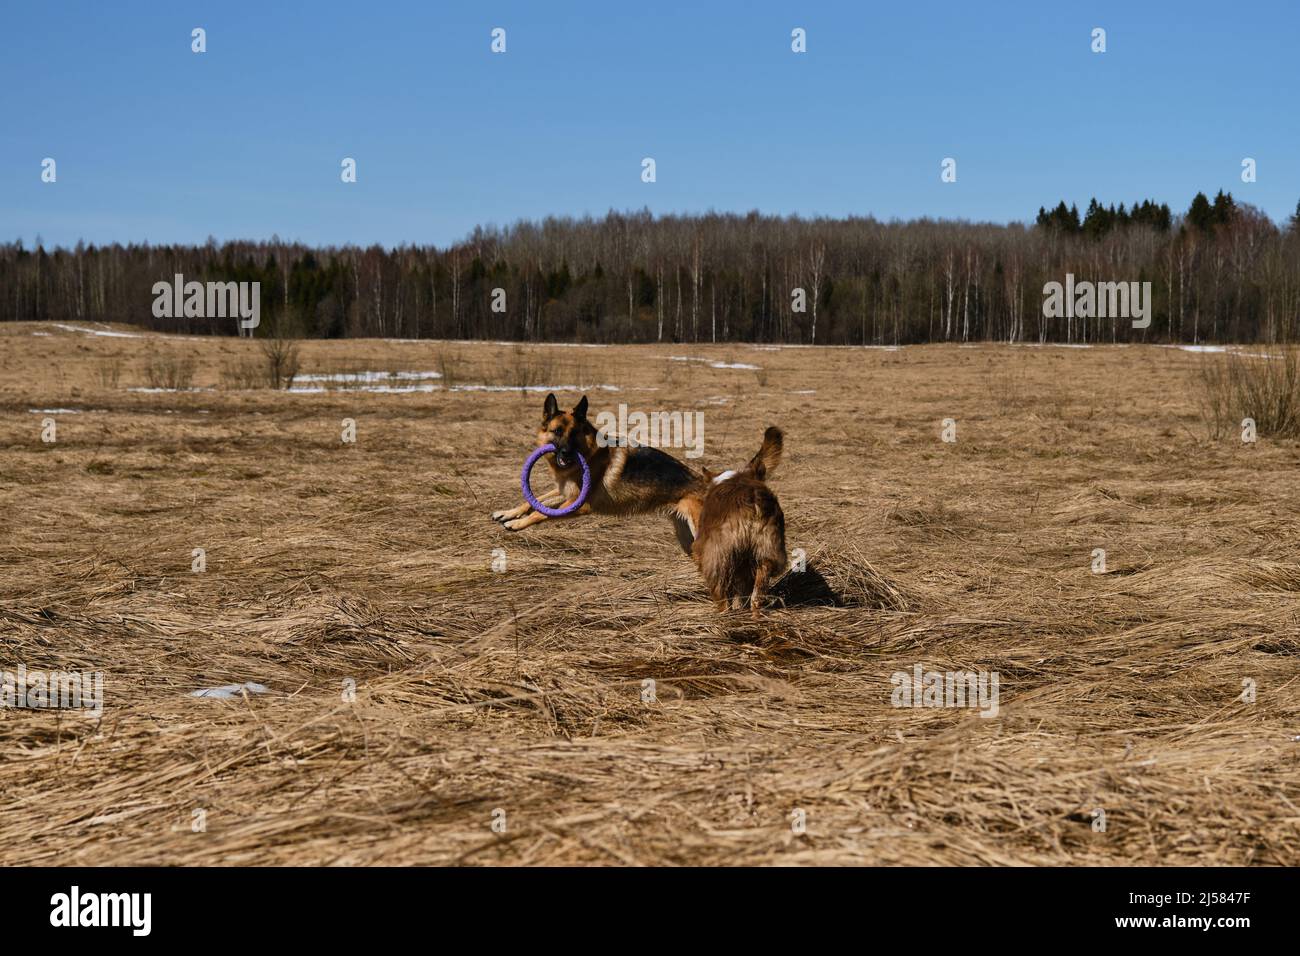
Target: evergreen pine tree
{"type": "Point", "coordinates": [1224, 208]}
{"type": "Point", "coordinates": [1199, 214]}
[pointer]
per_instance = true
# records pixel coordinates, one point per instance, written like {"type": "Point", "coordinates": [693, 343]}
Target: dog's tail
{"type": "Point", "coordinates": [769, 454]}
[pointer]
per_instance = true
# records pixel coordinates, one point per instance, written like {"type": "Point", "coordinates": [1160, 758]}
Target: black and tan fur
{"type": "Point", "coordinates": [624, 480]}
{"type": "Point", "coordinates": [740, 545]}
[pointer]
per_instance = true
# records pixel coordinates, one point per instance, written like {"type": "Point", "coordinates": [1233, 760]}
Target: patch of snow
{"type": "Point", "coordinates": [389, 389]}
{"type": "Point", "coordinates": [227, 691]}
{"type": "Point", "coordinates": [712, 364]}
{"type": "Point", "coordinates": [532, 388]}
{"type": "Point", "coordinates": [1219, 350]}
{"type": "Point", "coordinates": [107, 333]}
{"type": "Point", "coordinates": [365, 376]}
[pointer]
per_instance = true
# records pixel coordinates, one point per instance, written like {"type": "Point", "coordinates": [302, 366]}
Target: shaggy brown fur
{"type": "Point", "coordinates": [740, 548]}
{"type": "Point", "coordinates": [624, 480]}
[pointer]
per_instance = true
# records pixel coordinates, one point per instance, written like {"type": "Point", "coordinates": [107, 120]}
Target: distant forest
{"type": "Point", "coordinates": [1221, 271]}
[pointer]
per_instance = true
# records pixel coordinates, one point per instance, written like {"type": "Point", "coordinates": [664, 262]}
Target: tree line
{"type": "Point", "coordinates": [1221, 271]}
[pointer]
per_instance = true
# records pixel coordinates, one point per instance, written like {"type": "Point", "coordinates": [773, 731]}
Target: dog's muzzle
{"type": "Point", "coordinates": [564, 457]}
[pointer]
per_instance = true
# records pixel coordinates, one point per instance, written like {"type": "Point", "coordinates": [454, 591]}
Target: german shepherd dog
{"type": "Point", "coordinates": [740, 548]}
{"type": "Point", "coordinates": [624, 480]}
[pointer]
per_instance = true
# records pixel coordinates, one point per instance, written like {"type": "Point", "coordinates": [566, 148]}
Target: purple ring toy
{"type": "Point", "coordinates": [528, 492]}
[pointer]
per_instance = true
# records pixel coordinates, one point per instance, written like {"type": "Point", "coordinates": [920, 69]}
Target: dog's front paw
{"type": "Point", "coordinates": [500, 515]}
{"type": "Point", "coordinates": [518, 524]}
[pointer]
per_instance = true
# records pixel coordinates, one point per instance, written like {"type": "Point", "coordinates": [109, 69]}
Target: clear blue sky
{"type": "Point", "coordinates": [154, 142]}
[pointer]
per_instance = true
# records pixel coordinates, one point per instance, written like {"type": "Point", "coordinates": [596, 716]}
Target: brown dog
{"type": "Point", "coordinates": [624, 480]}
{"type": "Point", "coordinates": [740, 546]}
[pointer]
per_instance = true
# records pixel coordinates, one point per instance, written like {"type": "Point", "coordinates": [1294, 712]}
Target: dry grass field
{"type": "Point", "coordinates": [517, 695]}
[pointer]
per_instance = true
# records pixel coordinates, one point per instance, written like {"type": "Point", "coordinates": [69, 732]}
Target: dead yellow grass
{"type": "Point", "coordinates": [522, 691]}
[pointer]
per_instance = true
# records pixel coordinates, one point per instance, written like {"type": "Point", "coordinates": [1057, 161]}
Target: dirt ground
{"type": "Point", "coordinates": [585, 703]}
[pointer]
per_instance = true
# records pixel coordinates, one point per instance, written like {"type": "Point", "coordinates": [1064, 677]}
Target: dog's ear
{"type": "Point", "coordinates": [550, 409]}
{"type": "Point", "coordinates": [580, 410]}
